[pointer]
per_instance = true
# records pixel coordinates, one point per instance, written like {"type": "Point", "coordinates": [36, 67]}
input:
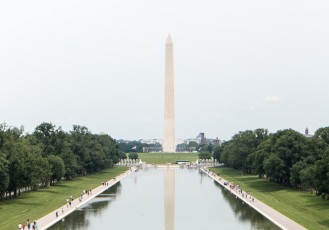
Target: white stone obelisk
{"type": "Point", "coordinates": [169, 142]}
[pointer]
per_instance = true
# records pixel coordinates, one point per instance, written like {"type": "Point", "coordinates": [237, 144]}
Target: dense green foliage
{"type": "Point", "coordinates": [205, 148]}
{"type": "Point", "coordinates": [300, 206]}
{"type": "Point", "coordinates": [49, 154]}
{"type": "Point", "coordinates": [285, 157]}
{"type": "Point", "coordinates": [133, 156]}
{"type": "Point", "coordinates": [193, 144]}
{"type": "Point", "coordinates": [204, 155]}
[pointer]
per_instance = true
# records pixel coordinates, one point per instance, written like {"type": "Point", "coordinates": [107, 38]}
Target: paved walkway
{"type": "Point", "coordinates": [276, 217]}
{"type": "Point", "coordinates": [50, 219]}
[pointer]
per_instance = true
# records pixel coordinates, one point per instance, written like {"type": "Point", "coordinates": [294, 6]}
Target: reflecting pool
{"type": "Point", "coordinates": [152, 198]}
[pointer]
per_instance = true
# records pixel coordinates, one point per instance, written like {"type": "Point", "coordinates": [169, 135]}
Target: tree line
{"type": "Point", "coordinates": [286, 157]}
{"type": "Point", "coordinates": [28, 161]}
{"type": "Point", "coordinates": [134, 146]}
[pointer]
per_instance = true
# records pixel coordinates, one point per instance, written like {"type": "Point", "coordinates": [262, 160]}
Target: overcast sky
{"type": "Point", "coordinates": [239, 64]}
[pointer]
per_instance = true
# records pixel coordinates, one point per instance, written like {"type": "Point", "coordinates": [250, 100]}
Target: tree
{"type": "Point", "coordinates": [307, 177]}
{"type": "Point", "coordinates": [13, 148]}
{"type": "Point", "coordinates": [287, 145]}
{"type": "Point", "coordinates": [36, 170]}
{"type": "Point", "coordinates": [57, 168]}
{"type": "Point", "coordinates": [49, 153]}
{"type": "Point", "coordinates": [70, 160]}
{"type": "Point", "coordinates": [81, 138]}
{"type": "Point", "coordinates": [322, 134]}
{"type": "Point", "coordinates": [45, 135]}
{"type": "Point", "coordinates": [4, 175]}
{"type": "Point", "coordinates": [123, 155]}
{"type": "Point", "coordinates": [110, 149]}
{"type": "Point", "coordinates": [236, 152]}
{"type": "Point", "coordinates": [133, 156]}
{"type": "Point", "coordinates": [275, 168]}
{"type": "Point", "coordinates": [225, 152]}
{"type": "Point", "coordinates": [193, 144]}
{"type": "Point", "coordinates": [321, 175]}
{"type": "Point", "coordinates": [217, 152]}
{"type": "Point", "coordinates": [204, 155]}
{"type": "Point", "coordinates": [206, 148]}
{"type": "Point", "coordinates": [295, 173]}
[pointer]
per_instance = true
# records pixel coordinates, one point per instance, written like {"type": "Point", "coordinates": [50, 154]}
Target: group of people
{"type": "Point", "coordinates": [68, 201]}
{"type": "Point", "coordinates": [28, 225]}
{"type": "Point", "coordinates": [233, 187]}
{"type": "Point", "coordinates": [105, 183]}
{"type": "Point", "coordinates": [88, 192]}
{"type": "Point", "coordinates": [237, 189]}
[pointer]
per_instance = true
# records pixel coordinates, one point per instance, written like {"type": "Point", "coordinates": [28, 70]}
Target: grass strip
{"type": "Point", "coordinates": [303, 207]}
{"type": "Point", "coordinates": [165, 158]}
{"type": "Point", "coordinates": [35, 204]}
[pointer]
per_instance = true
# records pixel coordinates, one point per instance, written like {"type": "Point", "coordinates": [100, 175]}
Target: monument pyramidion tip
{"type": "Point", "coordinates": [169, 40]}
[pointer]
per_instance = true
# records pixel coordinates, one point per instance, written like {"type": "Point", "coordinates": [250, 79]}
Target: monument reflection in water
{"type": "Point", "coordinates": [195, 202]}
{"type": "Point", "coordinates": [169, 198]}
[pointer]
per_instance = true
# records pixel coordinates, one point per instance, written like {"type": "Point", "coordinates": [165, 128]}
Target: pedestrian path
{"type": "Point", "coordinates": [51, 218]}
{"type": "Point", "coordinates": [276, 217]}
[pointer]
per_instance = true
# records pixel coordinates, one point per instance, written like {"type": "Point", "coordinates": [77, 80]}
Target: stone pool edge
{"type": "Point", "coordinates": [50, 219]}
{"type": "Point", "coordinates": [271, 214]}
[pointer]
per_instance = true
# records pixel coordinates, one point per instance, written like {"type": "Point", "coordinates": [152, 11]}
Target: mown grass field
{"type": "Point", "coordinates": [303, 207]}
{"type": "Point", "coordinates": [34, 205]}
{"type": "Point", "coordinates": [165, 158]}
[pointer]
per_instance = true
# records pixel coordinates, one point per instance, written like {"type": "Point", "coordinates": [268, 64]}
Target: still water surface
{"type": "Point", "coordinates": [138, 202]}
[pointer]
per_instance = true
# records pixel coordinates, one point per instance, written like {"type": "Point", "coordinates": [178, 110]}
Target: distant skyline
{"type": "Point", "coordinates": [238, 65]}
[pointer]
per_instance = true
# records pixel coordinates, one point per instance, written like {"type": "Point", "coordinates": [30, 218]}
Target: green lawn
{"type": "Point", "coordinates": [164, 158]}
{"type": "Point", "coordinates": [34, 205]}
{"type": "Point", "coordinates": [303, 207]}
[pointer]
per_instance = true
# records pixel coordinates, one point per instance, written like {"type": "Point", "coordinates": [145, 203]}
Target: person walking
{"type": "Point", "coordinates": [19, 226]}
{"type": "Point", "coordinates": [34, 225]}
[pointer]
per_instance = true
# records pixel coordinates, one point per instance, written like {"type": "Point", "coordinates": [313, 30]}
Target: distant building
{"type": "Point", "coordinates": [187, 141]}
{"type": "Point", "coordinates": [182, 144]}
{"type": "Point", "coordinates": [185, 149]}
{"type": "Point", "coordinates": [201, 139]}
{"type": "Point", "coordinates": [123, 141]}
{"type": "Point", "coordinates": [152, 149]}
{"type": "Point", "coordinates": [150, 141]}
{"type": "Point", "coordinates": [306, 134]}
{"type": "Point", "coordinates": [216, 141]}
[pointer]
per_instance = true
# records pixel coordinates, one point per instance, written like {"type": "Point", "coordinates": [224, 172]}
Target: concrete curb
{"type": "Point", "coordinates": [50, 219]}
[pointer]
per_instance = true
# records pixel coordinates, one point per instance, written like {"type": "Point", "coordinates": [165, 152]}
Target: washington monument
{"type": "Point", "coordinates": [169, 142]}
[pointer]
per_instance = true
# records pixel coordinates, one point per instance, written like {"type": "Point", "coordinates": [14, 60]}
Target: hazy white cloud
{"type": "Point", "coordinates": [272, 99]}
{"type": "Point", "coordinates": [265, 100]}
{"type": "Point", "coordinates": [256, 106]}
